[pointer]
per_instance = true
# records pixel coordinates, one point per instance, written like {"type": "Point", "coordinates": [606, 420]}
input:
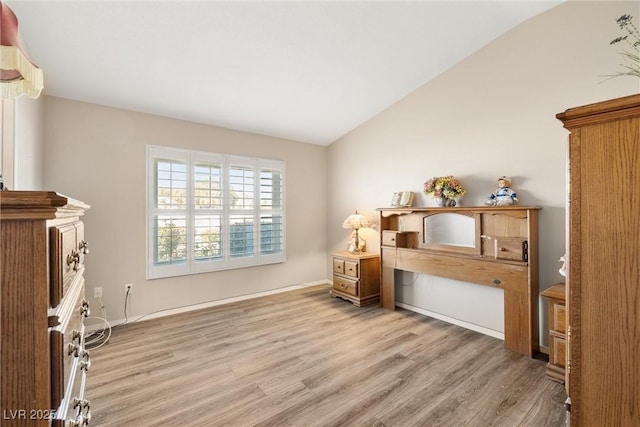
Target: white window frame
{"type": "Point", "coordinates": [226, 261]}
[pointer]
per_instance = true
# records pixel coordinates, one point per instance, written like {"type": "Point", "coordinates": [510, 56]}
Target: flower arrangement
{"type": "Point", "coordinates": [444, 186]}
{"type": "Point", "coordinates": [631, 36]}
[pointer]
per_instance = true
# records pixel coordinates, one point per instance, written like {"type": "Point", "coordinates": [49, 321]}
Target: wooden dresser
{"type": "Point", "coordinates": [42, 355]}
{"type": "Point", "coordinates": [356, 277]}
{"type": "Point", "coordinates": [555, 297]}
{"type": "Point", "coordinates": [603, 258]}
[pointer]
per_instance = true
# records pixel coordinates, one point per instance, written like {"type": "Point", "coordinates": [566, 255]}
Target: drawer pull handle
{"type": "Point", "coordinates": [503, 249]}
{"type": "Point", "coordinates": [85, 366]}
{"type": "Point", "coordinates": [83, 247]}
{"type": "Point", "coordinates": [83, 411]}
{"type": "Point", "coordinates": [74, 258]}
{"type": "Point", "coordinates": [497, 281]}
{"type": "Point", "coordinates": [84, 309]}
{"type": "Point", "coordinates": [75, 335]}
{"type": "Point", "coordinates": [73, 350]}
{"type": "Point", "coordinates": [78, 421]}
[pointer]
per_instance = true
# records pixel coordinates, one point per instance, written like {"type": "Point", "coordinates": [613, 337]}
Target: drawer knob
{"type": "Point", "coordinates": [83, 247]}
{"type": "Point", "coordinates": [497, 281]}
{"type": "Point", "coordinates": [78, 421]}
{"type": "Point", "coordinates": [84, 309]}
{"type": "Point", "coordinates": [74, 259]}
{"type": "Point", "coordinates": [85, 364]}
{"type": "Point", "coordinates": [73, 349]}
{"type": "Point", "coordinates": [76, 335]}
{"type": "Point", "coordinates": [83, 411]}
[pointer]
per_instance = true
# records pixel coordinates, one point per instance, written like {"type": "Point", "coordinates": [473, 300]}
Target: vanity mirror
{"type": "Point", "coordinates": [449, 229]}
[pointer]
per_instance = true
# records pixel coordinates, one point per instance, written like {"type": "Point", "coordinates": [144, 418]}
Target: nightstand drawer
{"type": "Point", "coordinates": [345, 286]}
{"type": "Point", "coordinates": [399, 239]}
{"type": "Point", "coordinates": [559, 319]}
{"type": "Point", "coordinates": [351, 269]}
{"type": "Point", "coordinates": [346, 267]}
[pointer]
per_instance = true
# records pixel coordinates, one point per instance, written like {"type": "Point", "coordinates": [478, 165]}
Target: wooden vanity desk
{"type": "Point", "coordinates": [490, 246]}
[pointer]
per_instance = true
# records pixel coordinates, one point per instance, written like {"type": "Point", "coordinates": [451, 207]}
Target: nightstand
{"type": "Point", "coordinates": [555, 296]}
{"type": "Point", "coordinates": [356, 277]}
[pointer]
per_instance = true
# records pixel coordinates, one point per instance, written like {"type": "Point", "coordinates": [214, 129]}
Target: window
{"type": "Point", "coordinates": [211, 212]}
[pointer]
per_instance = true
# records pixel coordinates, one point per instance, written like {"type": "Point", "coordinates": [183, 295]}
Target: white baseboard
{"type": "Point", "coordinates": [457, 322]}
{"type": "Point", "coordinates": [187, 308]}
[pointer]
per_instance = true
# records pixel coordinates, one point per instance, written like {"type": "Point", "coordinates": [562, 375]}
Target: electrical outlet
{"type": "Point", "coordinates": [97, 292]}
{"type": "Point", "coordinates": [128, 289]}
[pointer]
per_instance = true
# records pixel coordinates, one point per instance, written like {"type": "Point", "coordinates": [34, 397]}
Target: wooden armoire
{"type": "Point", "coordinates": [603, 281]}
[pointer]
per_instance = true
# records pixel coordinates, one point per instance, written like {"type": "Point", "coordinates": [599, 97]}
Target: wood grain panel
{"type": "Point", "coordinates": [483, 272]}
{"type": "Point", "coordinates": [604, 244]}
{"type": "Point", "coordinates": [608, 265]}
{"type": "Point", "coordinates": [24, 263]}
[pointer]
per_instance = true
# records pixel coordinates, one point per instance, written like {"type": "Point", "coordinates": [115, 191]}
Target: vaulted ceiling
{"type": "Point", "coordinates": [305, 70]}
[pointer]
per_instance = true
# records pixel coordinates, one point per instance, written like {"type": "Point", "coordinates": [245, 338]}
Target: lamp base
{"type": "Point", "coordinates": [356, 248]}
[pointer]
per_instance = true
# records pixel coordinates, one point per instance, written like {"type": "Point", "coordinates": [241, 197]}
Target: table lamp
{"type": "Point", "coordinates": [356, 221]}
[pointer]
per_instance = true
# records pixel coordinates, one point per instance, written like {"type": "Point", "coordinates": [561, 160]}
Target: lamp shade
{"type": "Point", "coordinates": [18, 75]}
{"type": "Point", "coordinates": [355, 221]}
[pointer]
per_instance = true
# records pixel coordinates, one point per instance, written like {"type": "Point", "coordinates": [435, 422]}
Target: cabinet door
{"type": "Point", "coordinates": [603, 275]}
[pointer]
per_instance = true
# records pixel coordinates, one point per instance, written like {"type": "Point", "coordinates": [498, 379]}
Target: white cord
{"type": "Point", "coordinates": [100, 337]}
{"type": "Point", "coordinates": [415, 278]}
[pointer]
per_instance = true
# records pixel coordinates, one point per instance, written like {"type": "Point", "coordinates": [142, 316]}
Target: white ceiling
{"type": "Point", "coordinates": [307, 71]}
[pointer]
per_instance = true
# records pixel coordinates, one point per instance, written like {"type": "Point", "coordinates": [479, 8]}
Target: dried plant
{"type": "Point", "coordinates": [631, 52]}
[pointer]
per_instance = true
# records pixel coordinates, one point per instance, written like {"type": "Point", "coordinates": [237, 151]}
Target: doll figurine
{"type": "Point", "coordinates": [504, 195]}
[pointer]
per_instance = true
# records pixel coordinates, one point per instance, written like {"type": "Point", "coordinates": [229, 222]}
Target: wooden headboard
{"type": "Point", "coordinates": [498, 248]}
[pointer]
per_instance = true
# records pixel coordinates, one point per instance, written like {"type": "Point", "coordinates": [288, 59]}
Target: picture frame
{"type": "Point", "coordinates": [402, 199]}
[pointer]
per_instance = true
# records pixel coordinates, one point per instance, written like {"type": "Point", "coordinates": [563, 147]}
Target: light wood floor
{"type": "Point", "coordinates": [303, 358]}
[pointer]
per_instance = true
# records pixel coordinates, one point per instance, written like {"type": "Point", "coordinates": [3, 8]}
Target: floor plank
{"type": "Point", "coordinates": [302, 358]}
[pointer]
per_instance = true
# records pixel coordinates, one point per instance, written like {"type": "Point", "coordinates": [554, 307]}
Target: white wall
{"type": "Point", "coordinates": [29, 144]}
{"type": "Point", "coordinates": [22, 143]}
{"type": "Point", "coordinates": [97, 154]}
{"type": "Point", "coordinates": [492, 114]}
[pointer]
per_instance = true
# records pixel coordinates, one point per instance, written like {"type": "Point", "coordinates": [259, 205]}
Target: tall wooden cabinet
{"type": "Point", "coordinates": [603, 281]}
{"type": "Point", "coordinates": [43, 362]}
